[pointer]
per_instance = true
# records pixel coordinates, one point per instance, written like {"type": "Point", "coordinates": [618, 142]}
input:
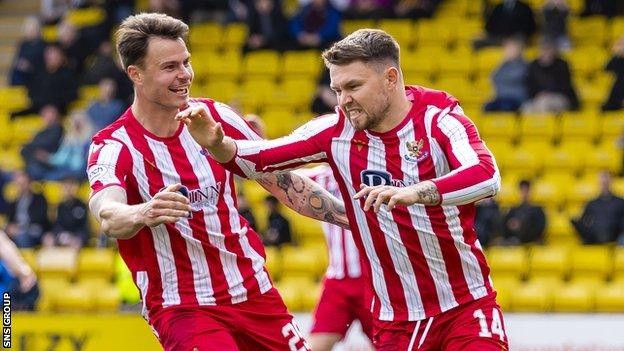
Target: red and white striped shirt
{"type": "Point", "coordinates": [421, 260]}
{"type": "Point", "coordinates": [344, 259]}
{"type": "Point", "coordinates": [212, 258]}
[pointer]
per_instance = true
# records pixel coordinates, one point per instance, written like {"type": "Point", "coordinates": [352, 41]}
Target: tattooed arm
{"type": "Point", "coordinates": [425, 193]}
{"type": "Point", "coordinates": [305, 197]}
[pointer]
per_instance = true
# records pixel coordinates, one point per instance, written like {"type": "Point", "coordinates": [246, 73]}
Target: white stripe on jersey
{"type": "Point", "coordinates": [429, 243]}
{"type": "Point", "coordinates": [341, 152]}
{"type": "Point", "coordinates": [228, 260]}
{"type": "Point", "coordinates": [353, 258]}
{"type": "Point", "coordinates": [108, 156]}
{"type": "Point", "coordinates": [197, 256]}
{"type": "Point", "coordinates": [473, 276]}
{"type": "Point", "coordinates": [162, 244]}
{"type": "Point", "coordinates": [333, 235]}
{"type": "Point", "coordinates": [392, 235]}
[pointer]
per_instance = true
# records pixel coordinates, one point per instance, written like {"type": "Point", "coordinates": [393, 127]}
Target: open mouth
{"type": "Point", "coordinates": [183, 91]}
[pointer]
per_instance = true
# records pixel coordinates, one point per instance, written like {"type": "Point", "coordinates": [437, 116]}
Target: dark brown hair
{"type": "Point", "coordinates": [134, 33]}
{"type": "Point", "coordinates": [367, 45]}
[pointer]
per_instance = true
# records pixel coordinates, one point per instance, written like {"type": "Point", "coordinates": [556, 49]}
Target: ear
{"type": "Point", "coordinates": [134, 73]}
{"type": "Point", "coordinates": [393, 76]}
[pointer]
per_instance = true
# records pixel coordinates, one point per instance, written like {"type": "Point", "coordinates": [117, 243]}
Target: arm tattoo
{"type": "Point", "coordinates": [429, 194]}
{"type": "Point", "coordinates": [306, 197]}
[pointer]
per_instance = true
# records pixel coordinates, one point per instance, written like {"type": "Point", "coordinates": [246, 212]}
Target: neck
{"type": "Point", "coordinates": [397, 111]}
{"type": "Point", "coordinates": [157, 119]}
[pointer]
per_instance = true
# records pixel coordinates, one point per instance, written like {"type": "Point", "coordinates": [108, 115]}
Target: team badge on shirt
{"type": "Point", "coordinates": [415, 151]}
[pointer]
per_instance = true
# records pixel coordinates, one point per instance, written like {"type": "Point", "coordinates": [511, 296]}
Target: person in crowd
{"type": "Point", "coordinates": [107, 108]}
{"type": "Point", "coordinates": [29, 54]}
{"type": "Point", "coordinates": [487, 221]}
{"type": "Point", "coordinates": [615, 100]}
{"type": "Point", "coordinates": [71, 227]}
{"type": "Point", "coordinates": [508, 18]}
{"type": "Point", "coordinates": [526, 222]}
{"type": "Point", "coordinates": [36, 153]}
{"type": "Point", "coordinates": [509, 78]}
{"type": "Point", "coordinates": [415, 9]}
{"type": "Point", "coordinates": [325, 99]}
{"type": "Point", "coordinates": [245, 210]}
{"type": "Point", "coordinates": [28, 215]}
{"type": "Point", "coordinates": [70, 159]}
{"type": "Point", "coordinates": [549, 83]}
{"type": "Point", "coordinates": [602, 220]}
{"type": "Point", "coordinates": [315, 25]}
{"type": "Point", "coordinates": [555, 14]}
{"type": "Point", "coordinates": [278, 227]}
{"type": "Point", "coordinates": [268, 27]}
{"type": "Point", "coordinates": [369, 9]}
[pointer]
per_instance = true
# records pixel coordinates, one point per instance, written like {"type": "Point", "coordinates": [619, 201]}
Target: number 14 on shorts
{"type": "Point", "coordinates": [495, 328]}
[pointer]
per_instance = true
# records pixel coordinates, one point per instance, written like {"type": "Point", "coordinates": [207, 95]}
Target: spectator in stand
{"type": "Point", "coordinates": [615, 101]}
{"type": "Point", "coordinates": [278, 227]}
{"type": "Point", "coordinates": [325, 100]}
{"type": "Point", "coordinates": [16, 277]}
{"type": "Point", "coordinates": [28, 215]}
{"type": "Point", "coordinates": [29, 55]}
{"type": "Point", "coordinates": [37, 152]}
{"type": "Point", "coordinates": [103, 65]}
{"type": "Point", "coordinates": [71, 228]}
{"type": "Point", "coordinates": [53, 10]}
{"type": "Point", "coordinates": [369, 9]}
{"type": "Point", "coordinates": [268, 27]}
{"type": "Point", "coordinates": [549, 83]}
{"type": "Point", "coordinates": [414, 9]}
{"type": "Point", "coordinates": [316, 25]}
{"type": "Point", "coordinates": [509, 78]}
{"type": "Point", "coordinates": [74, 45]}
{"type": "Point", "coordinates": [107, 108]}
{"type": "Point", "coordinates": [55, 84]}
{"type": "Point", "coordinates": [526, 222]}
{"type": "Point", "coordinates": [487, 221]}
{"type": "Point", "coordinates": [509, 18]}
{"type": "Point", "coordinates": [555, 26]}
{"type": "Point", "coordinates": [607, 8]}
{"type": "Point", "coordinates": [70, 160]}
{"type": "Point", "coordinates": [4, 179]}
{"type": "Point", "coordinates": [602, 220]}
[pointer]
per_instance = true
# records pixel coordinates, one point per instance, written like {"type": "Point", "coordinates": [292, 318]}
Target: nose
{"type": "Point", "coordinates": [344, 99]}
{"type": "Point", "coordinates": [186, 73]}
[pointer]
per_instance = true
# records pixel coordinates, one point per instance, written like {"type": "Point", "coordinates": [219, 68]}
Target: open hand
{"type": "Point", "coordinates": [207, 132]}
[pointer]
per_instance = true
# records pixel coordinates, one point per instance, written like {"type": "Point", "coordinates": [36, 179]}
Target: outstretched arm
{"type": "Point", "coordinates": [305, 197]}
{"type": "Point", "coordinates": [425, 193]}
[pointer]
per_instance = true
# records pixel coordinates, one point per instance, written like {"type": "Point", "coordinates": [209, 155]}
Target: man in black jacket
{"type": "Point", "coordinates": [526, 222]}
{"type": "Point", "coordinates": [27, 215]}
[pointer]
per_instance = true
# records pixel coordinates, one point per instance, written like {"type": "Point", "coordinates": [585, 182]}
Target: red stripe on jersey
{"type": "Point", "coordinates": [467, 212]}
{"type": "Point", "coordinates": [393, 283]}
{"type": "Point", "coordinates": [437, 218]}
{"type": "Point", "coordinates": [186, 288]}
{"type": "Point", "coordinates": [410, 239]}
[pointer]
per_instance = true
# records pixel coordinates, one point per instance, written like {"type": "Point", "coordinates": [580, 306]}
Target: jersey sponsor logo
{"type": "Point", "coordinates": [376, 177]}
{"type": "Point", "coordinates": [98, 172]}
{"type": "Point", "coordinates": [201, 198]}
{"type": "Point", "coordinates": [358, 143]}
{"type": "Point", "coordinates": [415, 151]}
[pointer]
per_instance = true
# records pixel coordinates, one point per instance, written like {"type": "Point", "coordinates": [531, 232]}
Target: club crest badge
{"type": "Point", "coordinates": [415, 152]}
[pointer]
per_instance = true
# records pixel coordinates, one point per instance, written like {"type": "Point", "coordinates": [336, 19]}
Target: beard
{"type": "Point", "coordinates": [373, 116]}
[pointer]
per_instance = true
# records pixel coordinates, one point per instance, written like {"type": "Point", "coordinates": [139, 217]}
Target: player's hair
{"type": "Point", "coordinates": [366, 45]}
{"type": "Point", "coordinates": [135, 31]}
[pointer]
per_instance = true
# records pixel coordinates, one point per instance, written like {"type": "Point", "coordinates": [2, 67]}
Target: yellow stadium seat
{"type": "Point", "coordinates": [507, 261]}
{"type": "Point", "coordinates": [50, 289]}
{"type": "Point", "coordinates": [234, 35]}
{"type": "Point", "coordinates": [310, 297]}
{"type": "Point", "coordinates": [546, 261]}
{"type": "Point", "coordinates": [274, 262]}
{"type": "Point", "coordinates": [254, 92]}
{"type": "Point", "coordinates": [613, 124]}
{"type": "Point", "coordinates": [14, 98]}
{"type": "Point", "coordinates": [576, 125]}
{"type": "Point", "coordinates": [610, 297]}
{"type": "Point", "coordinates": [401, 29]}
{"type": "Point", "coordinates": [421, 60]}
{"type": "Point", "coordinates": [304, 228]}
{"type": "Point", "coordinates": [538, 127]}
{"type": "Point", "coordinates": [563, 159]}
{"type": "Point", "coordinates": [86, 17]}
{"type": "Point", "coordinates": [605, 156]}
{"type": "Point", "coordinates": [94, 262]}
{"type": "Point", "coordinates": [264, 64]}
{"type": "Point", "coordinates": [487, 60]}
{"type": "Point", "coordinates": [279, 122]}
{"type": "Point", "coordinates": [618, 263]}
{"type": "Point", "coordinates": [591, 263]}
{"type": "Point", "coordinates": [226, 65]}
{"type": "Point", "coordinates": [588, 30]}
{"type": "Point", "coordinates": [499, 125]}
{"type": "Point", "coordinates": [304, 261]}
{"type": "Point", "coordinates": [302, 64]}
{"type": "Point", "coordinates": [49, 33]}
{"type": "Point", "coordinates": [53, 192]}
{"type": "Point", "coordinates": [56, 262]}
{"type": "Point", "coordinates": [350, 26]}
{"type": "Point", "coordinates": [585, 60]}
{"type": "Point", "coordinates": [205, 35]}
{"type": "Point", "coordinates": [523, 162]}
{"type": "Point", "coordinates": [123, 280]}
{"type": "Point", "coordinates": [590, 92]}
{"type": "Point", "coordinates": [508, 195]}
{"type": "Point", "coordinates": [432, 32]}
{"type": "Point", "coordinates": [76, 298]}
{"type": "Point", "coordinates": [300, 92]}
{"type": "Point", "coordinates": [531, 297]}
{"type": "Point", "coordinates": [617, 28]}
{"type": "Point", "coordinates": [559, 229]}
{"type": "Point", "coordinates": [292, 290]}
{"type": "Point", "coordinates": [574, 298]}
{"type": "Point", "coordinates": [547, 193]}
{"type": "Point", "coordinates": [459, 61]}
{"type": "Point", "coordinates": [11, 159]}
{"type": "Point", "coordinates": [225, 91]}
{"type": "Point", "coordinates": [26, 128]}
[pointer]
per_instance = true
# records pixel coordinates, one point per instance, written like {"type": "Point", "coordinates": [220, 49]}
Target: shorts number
{"type": "Point", "coordinates": [496, 327]}
{"type": "Point", "coordinates": [291, 332]}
